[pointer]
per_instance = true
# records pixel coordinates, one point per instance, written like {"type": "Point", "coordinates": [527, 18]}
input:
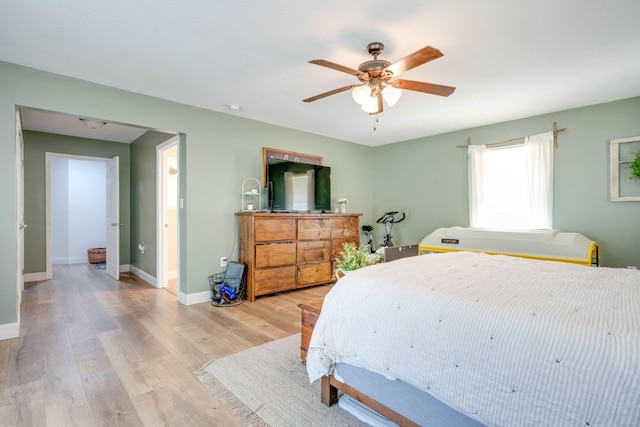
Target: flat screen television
{"type": "Point", "coordinates": [298, 187]}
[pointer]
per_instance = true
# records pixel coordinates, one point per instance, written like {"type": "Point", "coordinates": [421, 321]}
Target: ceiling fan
{"type": "Point", "coordinates": [375, 77]}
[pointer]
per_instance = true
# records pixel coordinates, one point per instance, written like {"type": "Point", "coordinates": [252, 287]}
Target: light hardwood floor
{"type": "Point", "coordinates": [172, 286]}
{"type": "Point", "coordinates": [94, 351]}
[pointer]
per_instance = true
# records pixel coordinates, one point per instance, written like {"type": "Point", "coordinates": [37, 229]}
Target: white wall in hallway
{"type": "Point", "coordinates": [78, 209]}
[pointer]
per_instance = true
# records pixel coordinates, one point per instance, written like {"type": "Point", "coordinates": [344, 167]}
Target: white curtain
{"type": "Point", "coordinates": [475, 182]}
{"type": "Point", "coordinates": [538, 210]}
{"type": "Point", "coordinates": [288, 190]}
{"type": "Point", "coordinates": [539, 155]}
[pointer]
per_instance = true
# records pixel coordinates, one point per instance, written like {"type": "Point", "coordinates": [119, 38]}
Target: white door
{"type": "Point", "coordinates": [167, 213]}
{"type": "Point", "coordinates": [20, 212]}
{"type": "Point", "coordinates": [113, 219]}
{"type": "Point", "coordinates": [163, 223]}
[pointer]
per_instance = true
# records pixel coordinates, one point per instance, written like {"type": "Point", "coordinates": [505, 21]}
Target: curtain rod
{"type": "Point", "coordinates": [495, 144]}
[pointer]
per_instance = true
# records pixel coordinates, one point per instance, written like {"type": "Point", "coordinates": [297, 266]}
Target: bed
{"type": "Point", "coordinates": [491, 339]}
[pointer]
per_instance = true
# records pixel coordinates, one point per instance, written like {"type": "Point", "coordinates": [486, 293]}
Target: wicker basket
{"type": "Point", "coordinates": [97, 255]}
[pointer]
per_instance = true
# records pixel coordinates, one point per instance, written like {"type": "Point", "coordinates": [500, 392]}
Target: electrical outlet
{"type": "Point", "coordinates": [223, 261]}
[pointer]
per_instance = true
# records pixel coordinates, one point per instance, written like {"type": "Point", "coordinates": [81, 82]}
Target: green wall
{"type": "Point", "coordinates": [427, 178]}
{"type": "Point", "coordinates": [143, 200]}
{"type": "Point", "coordinates": [217, 152]}
{"type": "Point", "coordinates": [36, 144]}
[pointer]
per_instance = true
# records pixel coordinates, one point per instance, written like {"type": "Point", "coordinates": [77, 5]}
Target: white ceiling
{"type": "Point", "coordinates": [508, 59]}
{"type": "Point", "coordinates": [63, 124]}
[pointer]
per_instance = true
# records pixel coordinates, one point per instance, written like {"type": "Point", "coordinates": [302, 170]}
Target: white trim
{"type": "Point", "coordinates": [143, 275]}
{"type": "Point", "coordinates": [197, 298]}
{"type": "Point", "coordinates": [9, 330]}
{"type": "Point", "coordinates": [172, 275]}
{"type": "Point", "coordinates": [36, 277]}
{"type": "Point", "coordinates": [19, 214]}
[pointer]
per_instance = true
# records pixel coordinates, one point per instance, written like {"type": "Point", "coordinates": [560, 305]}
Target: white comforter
{"type": "Point", "coordinates": [507, 341]}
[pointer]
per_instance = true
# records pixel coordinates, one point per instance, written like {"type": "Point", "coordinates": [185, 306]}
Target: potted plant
{"type": "Point", "coordinates": [353, 258]}
{"type": "Point", "coordinates": [634, 166]}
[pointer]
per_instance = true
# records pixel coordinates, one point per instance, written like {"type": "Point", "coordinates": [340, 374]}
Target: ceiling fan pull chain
{"type": "Point", "coordinates": [375, 122]}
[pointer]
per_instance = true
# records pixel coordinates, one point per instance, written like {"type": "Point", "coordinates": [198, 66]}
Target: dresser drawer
{"type": "Point", "coordinates": [274, 229]}
{"type": "Point", "coordinates": [314, 274]}
{"type": "Point", "coordinates": [312, 229]}
{"type": "Point", "coordinates": [343, 227]}
{"type": "Point", "coordinates": [275, 254]}
{"type": "Point", "coordinates": [272, 280]}
{"type": "Point", "coordinates": [336, 245]}
{"type": "Point", "coordinates": [313, 251]}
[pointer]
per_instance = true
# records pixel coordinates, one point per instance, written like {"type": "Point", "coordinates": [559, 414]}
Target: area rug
{"type": "Point", "coordinates": [268, 386]}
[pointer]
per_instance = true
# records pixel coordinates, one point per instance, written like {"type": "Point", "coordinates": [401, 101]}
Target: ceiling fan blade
{"type": "Point", "coordinates": [423, 87]}
{"type": "Point", "coordinates": [331, 92]}
{"type": "Point", "coordinates": [420, 57]}
{"type": "Point", "coordinates": [335, 66]}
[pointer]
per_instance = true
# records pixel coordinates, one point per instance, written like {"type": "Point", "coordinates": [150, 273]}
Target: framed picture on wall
{"type": "Point", "coordinates": [624, 187]}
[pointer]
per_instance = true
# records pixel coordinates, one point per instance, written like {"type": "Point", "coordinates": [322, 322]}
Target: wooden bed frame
{"type": "Point", "coordinates": [329, 396]}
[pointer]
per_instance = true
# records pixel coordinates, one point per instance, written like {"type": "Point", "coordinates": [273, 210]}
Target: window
{"type": "Point", "coordinates": [512, 187]}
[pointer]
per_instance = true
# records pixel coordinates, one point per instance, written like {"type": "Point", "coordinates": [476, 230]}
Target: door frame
{"type": "Point", "coordinates": [20, 213]}
{"type": "Point", "coordinates": [48, 157]}
{"type": "Point", "coordinates": [161, 203]}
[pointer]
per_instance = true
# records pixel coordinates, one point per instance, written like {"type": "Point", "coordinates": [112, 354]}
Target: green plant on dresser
{"type": "Point", "coordinates": [352, 258]}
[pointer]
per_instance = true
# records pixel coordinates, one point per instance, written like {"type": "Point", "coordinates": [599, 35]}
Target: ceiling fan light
{"type": "Point", "coordinates": [370, 105]}
{"type": "Point", "coordinates": [391, 95]}
{"type": "Point", "coordinates": [361, 93]}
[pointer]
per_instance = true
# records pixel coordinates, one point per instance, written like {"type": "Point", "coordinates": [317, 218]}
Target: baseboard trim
{"type": "Point", "coordinates": [9, 330]}
{"type": "Point", "coordinates": [144, 275]}
{"type": "Point", "coordinates": [197, 298]}
{"type": "Point", "coordinates": [36, 277]}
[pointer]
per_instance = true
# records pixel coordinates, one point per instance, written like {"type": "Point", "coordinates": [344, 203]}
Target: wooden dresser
{"type": "Point", "coordinates": [284, 251]}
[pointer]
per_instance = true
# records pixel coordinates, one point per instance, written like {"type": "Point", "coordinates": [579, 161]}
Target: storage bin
{"type": "Point", "coordinates": [97, 255]}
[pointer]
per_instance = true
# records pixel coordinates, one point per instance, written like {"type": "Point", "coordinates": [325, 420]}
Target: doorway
{"type": "Point", "coordinates": [57, 123]}
{"type": "Point", "coordinates": [167, 212]}
{"type": "Point", "coordinates": [78, 209]}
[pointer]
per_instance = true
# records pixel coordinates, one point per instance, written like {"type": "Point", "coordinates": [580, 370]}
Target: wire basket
{"type": "Point", "coordinates": [227, 292]}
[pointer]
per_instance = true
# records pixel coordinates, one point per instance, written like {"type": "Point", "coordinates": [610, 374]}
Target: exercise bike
{"type": "Point", "coordinates": [368, 230]}
{"type": "Point", "coordinates": [388, 219]}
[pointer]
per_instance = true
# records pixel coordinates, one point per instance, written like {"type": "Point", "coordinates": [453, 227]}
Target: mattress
{"type": "Point", "coordinates": [506, 341]}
